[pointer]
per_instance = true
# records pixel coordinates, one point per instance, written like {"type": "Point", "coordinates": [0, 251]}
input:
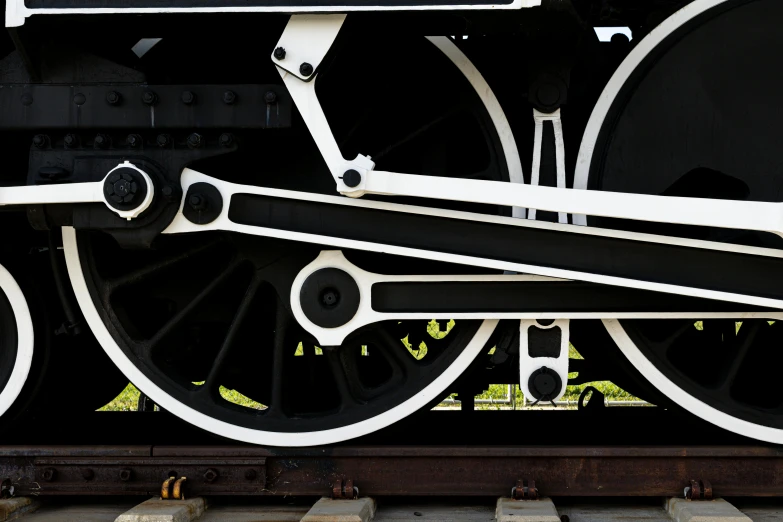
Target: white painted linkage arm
{"type": "Point", "coordinates": [741, 215]}
{"type": "Point", "coordinates": [91, 192]}
{"type": "Point", "coordinates": [52, 194]}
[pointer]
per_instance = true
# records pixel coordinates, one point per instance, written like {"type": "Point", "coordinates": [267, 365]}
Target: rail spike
{"type": "Point", "coordinates": [699, 490]}
{"type": "Point", "coordinates": [525, 490]}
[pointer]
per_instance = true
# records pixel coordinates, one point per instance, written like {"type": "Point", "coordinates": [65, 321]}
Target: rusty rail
{"type": "Point", "coordinates": [387, 471]}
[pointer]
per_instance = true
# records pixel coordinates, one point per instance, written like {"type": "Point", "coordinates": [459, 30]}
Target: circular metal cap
{"type": "Point", "coordinates": [125, 188]}
{"type": "Point", "coordinates": [329, 297]}
{"type": "Point", "coordinates": [352, 178]}
{"type": "Point", "coordinates": [203, 204]}
{"type": "Point", "coordinates": [544, 384]}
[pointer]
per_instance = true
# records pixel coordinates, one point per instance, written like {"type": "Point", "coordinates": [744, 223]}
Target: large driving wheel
{"type": "Point", "coordinates": [200, 322]}
{"type": "Point", "coordinates": [694, 111]}
{"type": "Point", "coordinates": [16, 340]}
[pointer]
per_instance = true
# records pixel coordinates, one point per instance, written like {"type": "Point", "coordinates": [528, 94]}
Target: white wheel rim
{"type": "Point", "coordinates": [683, 398]}
{"type": "Point", "coordinates": [402, 410]}
{"type": "Point", "coordinates": [25, 340]}
{"type": "Point", "coordinates": [581, 175]}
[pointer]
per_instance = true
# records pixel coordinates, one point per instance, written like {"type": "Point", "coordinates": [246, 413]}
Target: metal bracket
{"type": "Point", "coordinates": [699, 490]}
{"type": "Point", "coordinates": [173, 488]}
{"type": "Point", "coordinates": [91, 192]}
{"type": "Point", "coordinates": [344, 489]}
{"type": "Point", "coordinates": [305, 41]}
{"type": "Point", "coordinates": [525, 490]}
{"type": "Point", "coordinates": [543, 359]}
{"type": "Point", "coordinates": [540, 120]}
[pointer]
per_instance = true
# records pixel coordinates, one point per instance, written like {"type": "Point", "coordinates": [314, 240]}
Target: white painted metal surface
{"type": "Point", "coordinates": [17, 12]}
{"type": "Point", "coordinates": [306, 100]}
{"type": "Point", "coordinates": [52, 194]}
{"type": "Point", "coordinates": [25, 340]}
{"type": "Point", "coordinates": [367, 315]}
{"type": "Point", "coordinates": [539, 120]}
{"type": "Point", "coordinates": [180, 225]}
{"type": "Point", "coordinates": [528, 364]}
{"type": "Point", "coordinates": [306, 39]}
{"type": "Point", "coordinates": [316, 34]}
{"type": "Point", "coordinates": [742, 215]}
{"type": "Point", "coordinates": [75, 193]}
{"type": "Point", "coordinates": [495, 111]}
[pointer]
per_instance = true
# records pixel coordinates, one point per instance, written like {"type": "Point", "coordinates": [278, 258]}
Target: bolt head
{"type": "Point", "coordinates": [306, 69]}
{"type": "Point", "coordinates": [113, 97]}
{"type": "Point", "coordinates": [49, 474]}
{"type": "Point", "coordinates": [270, 97]}
{"type": "Point", "coordinates": [162, 140]}
{"type": "Point", "coordinates": [226, 139]}
{"type": "Point", "coordinates": [70, 140]}
{"type": "Point", "coordinates": [330, 297]}
{"type": "Point", "coordinates": [280, 53]}
{"type": "Point", "coordinates": [39, 141]}
{"type": "Point", "coordinates": [79, 99]}
{"type": "Point", "coordinates": [126, 475]}
{"type": "Point", "coordinates": [197, 202]}
{"type": "Point", "coordinates": [101, 141]}
{"type": "Point", "coordinates": [195, 140]}
{"type": "Point", "coordinates": [149, 98]}
{"type": "Point", "coordinates": [229, 97]}
{"type": "Point", "coordinates": [211, 475]}
{"type": "Point", "coordinates": [251, 474]}
{"type": "Point", "coordinates": [123, 189]}
{"type": "Point", "coordinates": [167, 191]}
{"type": "Point", "coordinates": [352, 178]}
{"type": "Point", "coordinates": [134, 140]}
{"type": "Point", "coordinates": [544, 384]}
{"type": "Point", "coordinates": [187, 97]}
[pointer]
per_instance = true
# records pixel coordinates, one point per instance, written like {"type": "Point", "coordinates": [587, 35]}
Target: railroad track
{"type": "Point", "coordinates": [382, 509]}
{"type": "Point", "coordinates": [463, 471]}
{"type": "Point", "coordinates": [99, 470]}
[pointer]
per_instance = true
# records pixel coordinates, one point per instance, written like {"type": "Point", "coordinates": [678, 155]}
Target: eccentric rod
{"type": "Point", "coordinates": [741, 215]}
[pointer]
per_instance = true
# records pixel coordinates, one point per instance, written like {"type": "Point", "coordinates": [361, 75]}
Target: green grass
{"type": "Point", "coordinates": [129, 398]}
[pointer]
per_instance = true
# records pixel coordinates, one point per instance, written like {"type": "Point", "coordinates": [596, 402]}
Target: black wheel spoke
{"type": "Point", "coordinates": [396, 354]}
{"type": "Point", "coordinates": [283, 323]}
{"type": "Point", "coordinates": [213, 378]}
{"type": "Point", "coordinates": [418, 131]}
{"type": "Point", "coordinates": [342, 380]}
{"type": "Point", "coordinates": [662, 346]}
{"type": "Point", "coordinates": [192, 306]}
{"type": "Point", "coordinates": [744, 341]}
{"type": "Point", "coordinates": [141, 274]}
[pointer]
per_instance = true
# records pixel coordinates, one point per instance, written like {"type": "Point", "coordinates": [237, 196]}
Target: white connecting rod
{"type": "Point", "coordinates": [91, 192]}
{"type": "Point", "coordinates": [741, 215]}
{"type": "Point", "coordinates": [52, 194]}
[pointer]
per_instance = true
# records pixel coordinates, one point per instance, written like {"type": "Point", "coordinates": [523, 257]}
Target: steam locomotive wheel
{"type": "Point", "coordinates": [16, 340]}
{"type": "Point", "coordinates": [688, 115]}
{"type": "Point", "coordinates": [198, 323]}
